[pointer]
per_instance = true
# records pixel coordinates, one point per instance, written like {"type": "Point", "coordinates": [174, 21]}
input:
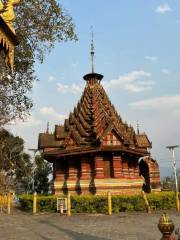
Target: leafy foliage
{"type": "Point", "coordinates": [89, 204]}
{"type": "Point", "coordinates": [39, 24]}
{"type": "Point", "coordinates": [125, 203]}
{"type": "Point", "coordinates": [168, 182]}
{"type": "Point", "coordinates": [44, 203]}
{"type": "Point", "coordinates": [41, 176]}
{"type": "Point", "coordinates": [16, 168]}
{"type": "Point", "coordinates": [162, 201]}
{"type": "Point", "coordinates": [15, 164]}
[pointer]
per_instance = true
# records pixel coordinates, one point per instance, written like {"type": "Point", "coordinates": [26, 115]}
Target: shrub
{"type": "Point", "coordinates": [89, 204]}
{"type": "Point", "coordinates": [99, 204]}
{"type": "Point", "coordinates": [162, 200]}
{"type": "Point", "coordinates": [123, 203]}
{"type": "Point", "coordinates": [26, 202]}
{"type": "Point", "coordinates": [44, 203]}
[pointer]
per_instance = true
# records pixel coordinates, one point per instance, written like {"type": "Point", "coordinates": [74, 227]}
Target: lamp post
{"type": "Point", "coordinates": [171, 149]}
{"type": "Point", "coordinates": [34, 150]}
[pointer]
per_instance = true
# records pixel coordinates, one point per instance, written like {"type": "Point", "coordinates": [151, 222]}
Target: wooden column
{"type": "Point", "coordinates": [136, 170]}
{"type": "Point", "coordinates": [85, 169]}
{"type": "Point", "coordinates": [131, 173]}
{"type": "Point", "coordinates": [117, 167]}
{"type": "Point", "coordinates": [132, 170]}
{"type": "Point", "coordinates": [54, 169]}
{"type": "Point", "coordinates": [59, 170]}
{"type": "Point", "coordinates": [72, 169]}
{"type": "Point", "coordinates": [125, 168]}
{"type": "Point", "coordinates": [99, 167]}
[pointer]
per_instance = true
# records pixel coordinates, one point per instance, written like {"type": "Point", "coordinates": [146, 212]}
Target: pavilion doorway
{"type": "Point", "coordinates": [108, 167]}
{"type": "Point", "coordinates": [144, 172]}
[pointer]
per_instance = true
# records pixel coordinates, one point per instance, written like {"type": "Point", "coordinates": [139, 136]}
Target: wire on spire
{"type": "Point", "coordinates": [92, 49]}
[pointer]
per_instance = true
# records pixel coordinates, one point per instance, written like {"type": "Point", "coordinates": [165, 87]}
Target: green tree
{"type": "Point", "coordinates": [43, 170]}
{"type": "Point", "coordinates": [24, 174]}
{"type": "Point", "coordinates": [15, 165]}
{"type": "Point", "coordinates": [169, 182]}
{"type": "Point", "coordinates": [39, 25]}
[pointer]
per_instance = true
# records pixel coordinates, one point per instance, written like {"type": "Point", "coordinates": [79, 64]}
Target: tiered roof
{"type": "Point", "coordinates": [94, 125]}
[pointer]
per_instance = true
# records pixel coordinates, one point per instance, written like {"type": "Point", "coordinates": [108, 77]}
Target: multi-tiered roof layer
{"type": "Point", "coordinates": [88, 127]}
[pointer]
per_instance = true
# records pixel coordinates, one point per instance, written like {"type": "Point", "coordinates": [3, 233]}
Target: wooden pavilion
{"type": "Point", "coordinates": [95, 151]}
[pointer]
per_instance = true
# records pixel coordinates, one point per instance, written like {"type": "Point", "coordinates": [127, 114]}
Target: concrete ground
{"type": "Point", "coordinates": [123, 226]}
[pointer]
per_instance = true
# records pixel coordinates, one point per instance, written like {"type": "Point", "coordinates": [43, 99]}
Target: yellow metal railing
{"type": "Point", "coordinates": [5, 203]}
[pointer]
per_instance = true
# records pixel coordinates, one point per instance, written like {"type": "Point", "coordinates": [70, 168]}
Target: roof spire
{"type": "Point", "coordinates": [137, 127]}
{"type": "Point", "coordinates": [92, 49]}
{"type": "Point", "coordinates": [47, 128]}
{"type": "Point", "coordinates": [92, 77]}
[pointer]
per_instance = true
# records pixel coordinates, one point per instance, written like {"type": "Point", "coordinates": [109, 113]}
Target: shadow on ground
{"type": "Point", "coordinates": [72, 234]}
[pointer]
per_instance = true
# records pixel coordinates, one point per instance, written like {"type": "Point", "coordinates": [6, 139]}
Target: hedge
{"type": "Point", "coordinates": [98, 204]}
{"type": "Point", "coordinates": [44, 203]}
{"type": "Point", "coordinates": [162, 201]}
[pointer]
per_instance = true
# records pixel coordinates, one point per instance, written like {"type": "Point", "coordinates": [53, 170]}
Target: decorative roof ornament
{"type": "Point", "coordinates": [92, 49]}
{"type": "Point", "coordinates": [8, 39]}
{"type": "Point", "coordinates": [47, 128]}
{"type": "Point", "coordinates": [8, 13]}
{"type": "Point", "coordinates": [1, 6]}
{"type": "Point", "coordinates": [137, 127]}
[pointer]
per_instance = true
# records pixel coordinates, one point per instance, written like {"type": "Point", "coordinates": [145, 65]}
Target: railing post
{"type": "Point", "coordinates": [1, 202]}
{"type": "Point", "coordinates": [146, 202]}
{"type": "Point", "coordinates": [69, 204]}
{"type": "Point", "coordinates": [177, 201]}
{"type": "Point", "coordinates": [109, 203]}
{"type": "Point", "coordinates": [9, 203]}
{"type": "Point", "coordinates": [35, 203]}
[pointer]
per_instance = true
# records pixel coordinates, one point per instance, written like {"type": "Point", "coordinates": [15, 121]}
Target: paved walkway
{"type": "Point", "coordinates": [123, 226]}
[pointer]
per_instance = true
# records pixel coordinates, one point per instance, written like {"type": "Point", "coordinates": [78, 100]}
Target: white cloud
{"type": "Point", "coordinates": [49, 111]}
{"type": "Point", "coordinates": [51, 78]}
{"type": "Point", "coordinates": [160, 119]}
{"type": "Point", "coordinates": [153, 59]}
{"type": "Point", "coordinates": [132, 82]}
{"type": "Point", "coordinates": [74, 65]}
{"type": "Point", "coordinates": [163, 103]}
{"type": "Point", "coordinates": [73, 88]}
{"type": "Point", "coordinates": [30, 121]}
{"type": "Point", "coordinates": [35, 124]}
{"type": "Point", "coordinates": [165, 71]}
{"type": "Point", "coordinates": [28, 130]}
{"type": "Point", "coordinates": [138, 88]}
{"type": "Point", "coordinates": [164, 8]}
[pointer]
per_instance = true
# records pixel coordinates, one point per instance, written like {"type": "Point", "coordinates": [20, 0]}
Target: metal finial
{"type": "Point", "coordinates": [137, 127]}
{"type": "Point", "coordinates": [92, 49]}
{"type": "Point", "coordinates": [47, 129]}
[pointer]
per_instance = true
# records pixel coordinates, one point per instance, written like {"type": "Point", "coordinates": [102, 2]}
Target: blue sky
{"type": "Point", "coordinates": [137, 46]}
